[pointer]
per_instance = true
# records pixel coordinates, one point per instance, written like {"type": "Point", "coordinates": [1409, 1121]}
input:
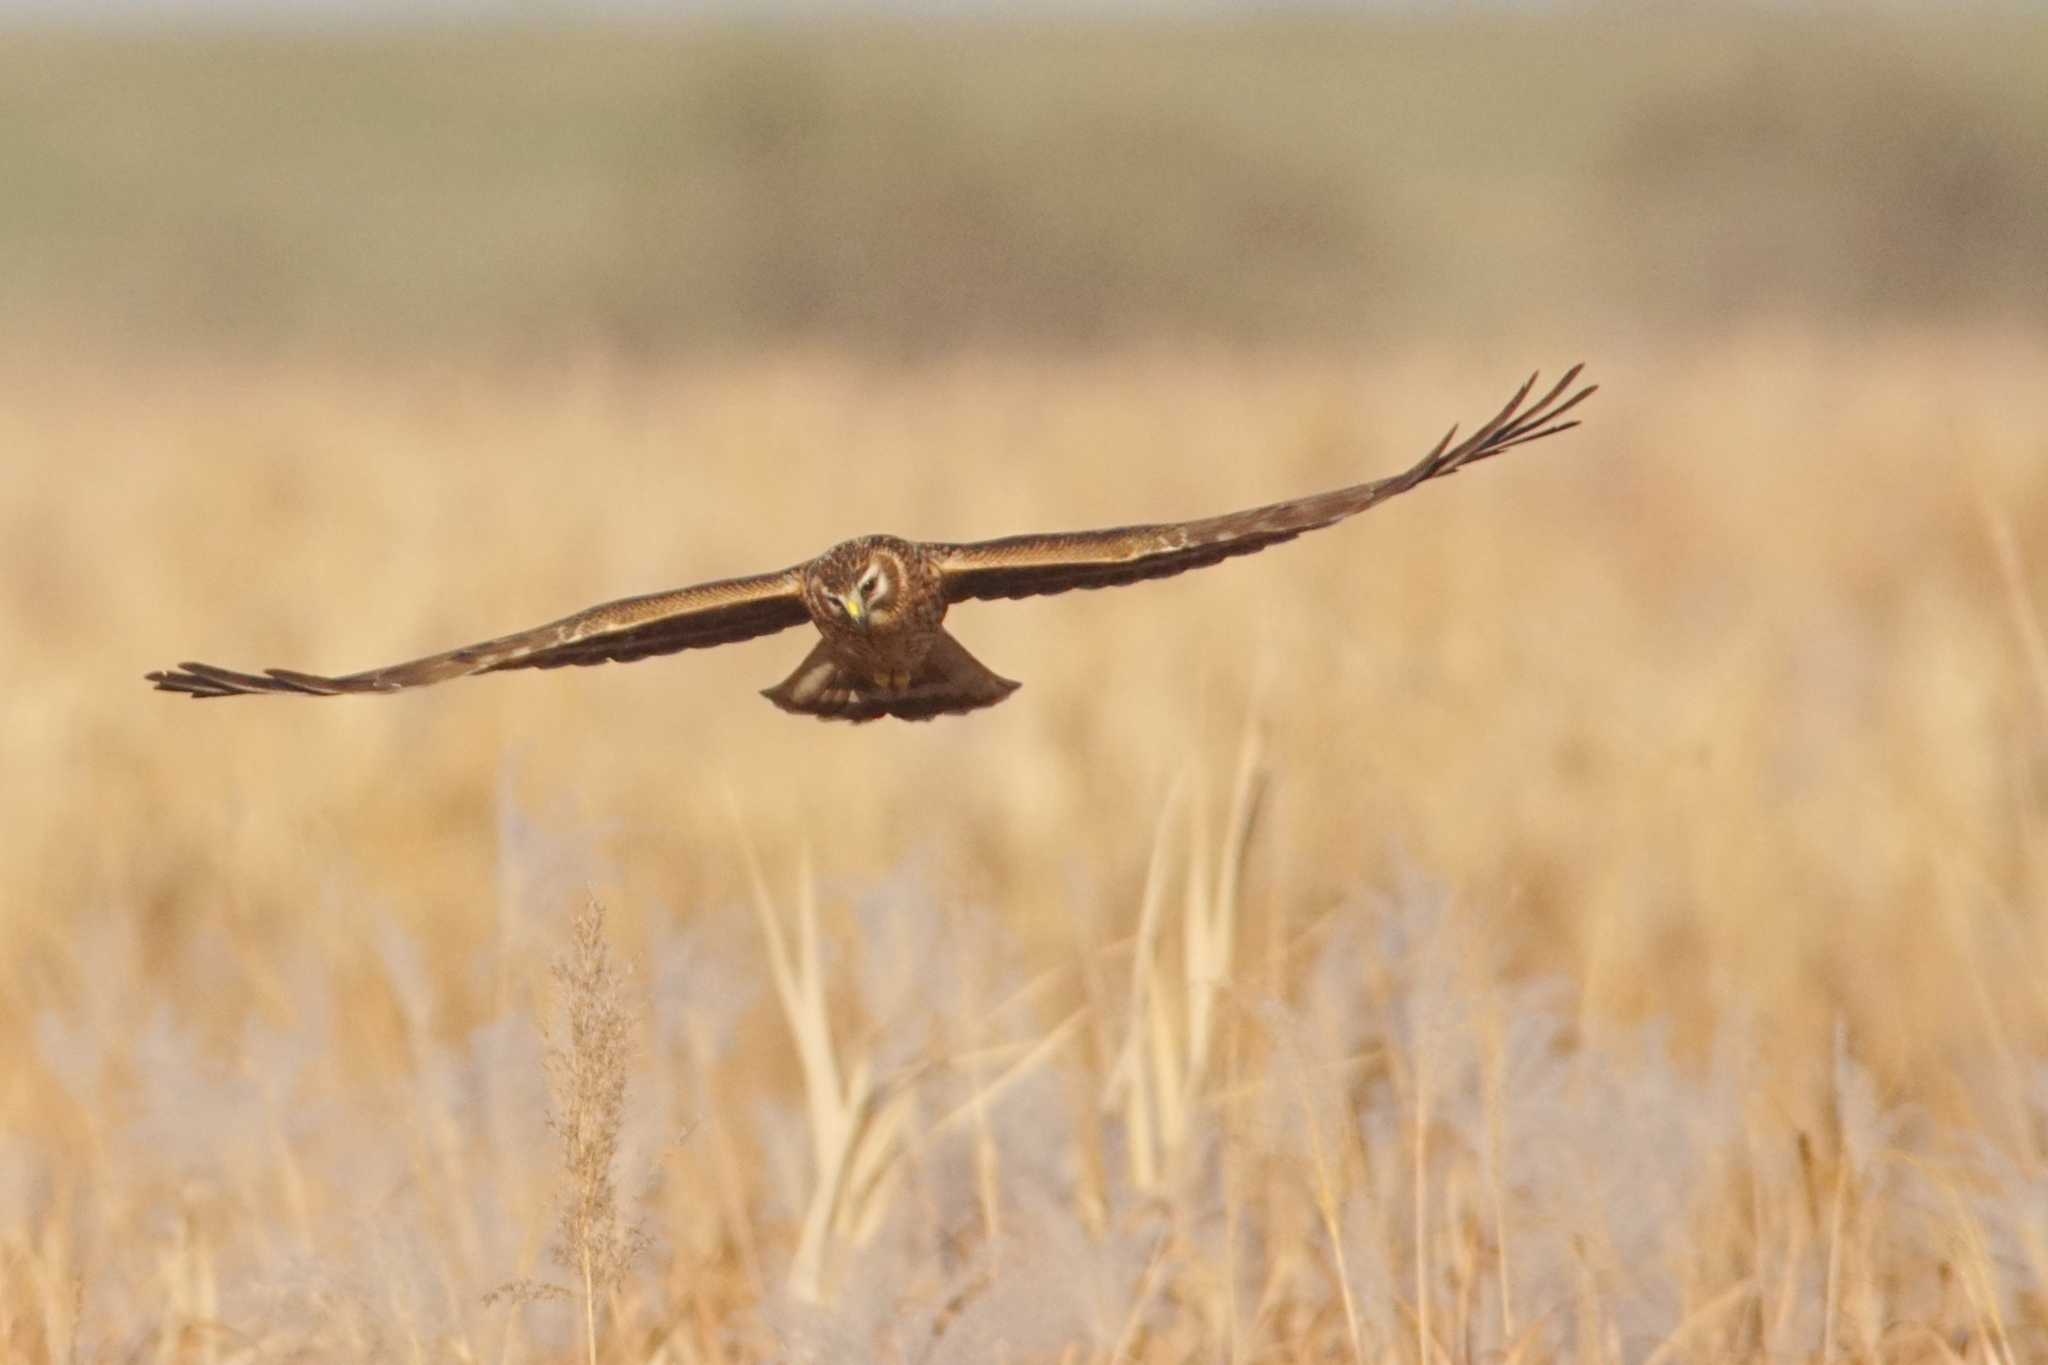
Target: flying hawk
{"type": "Point", "coordinates": [879, 602]}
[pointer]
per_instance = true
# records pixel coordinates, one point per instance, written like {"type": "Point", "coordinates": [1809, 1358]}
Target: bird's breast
{"type": "Point", "coordinates": [882, 653]}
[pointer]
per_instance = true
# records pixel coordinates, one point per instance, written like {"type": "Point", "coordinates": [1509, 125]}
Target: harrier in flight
{"type": "Point", "coordinates": [879, 602]}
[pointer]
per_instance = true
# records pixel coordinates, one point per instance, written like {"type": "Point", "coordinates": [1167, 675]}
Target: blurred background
{"type": "Point", "coordinates": [331, 335]}
{"type": "Point", "coordinates": [282, 178]}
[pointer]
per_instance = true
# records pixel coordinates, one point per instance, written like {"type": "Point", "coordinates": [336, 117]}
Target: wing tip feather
{"type": "Point", "coordinates": [202, 681]}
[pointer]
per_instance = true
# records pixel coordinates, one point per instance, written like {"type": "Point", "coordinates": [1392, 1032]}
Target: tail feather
{"type": "Point", "coordinates": [949, 682]}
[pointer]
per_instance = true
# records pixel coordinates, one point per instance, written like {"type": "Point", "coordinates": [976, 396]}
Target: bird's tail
{"type": "Point", "coordinates": [949, 682]}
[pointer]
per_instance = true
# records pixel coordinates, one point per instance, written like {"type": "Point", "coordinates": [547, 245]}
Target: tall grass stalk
{"type": "Point", "coordinates": [589, 1072]}
{"type": "Point", "coordinates": [586, 1063]}
{"type": "Point", "coordinates": [857, 1123]}
{"type": "Point", "coordinates": [2019, 596]}
{"type": "Point", "coordinates": [1163, 1064]}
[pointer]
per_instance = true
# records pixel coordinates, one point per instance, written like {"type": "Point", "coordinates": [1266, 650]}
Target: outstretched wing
{"type": "Point", "coordinates": [1028, 565]}
{"type": "Point", "coordinates": [633, 628]}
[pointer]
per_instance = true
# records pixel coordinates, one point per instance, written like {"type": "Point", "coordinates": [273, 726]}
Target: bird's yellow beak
{"type": "Point", "coordinates": [856, 610]}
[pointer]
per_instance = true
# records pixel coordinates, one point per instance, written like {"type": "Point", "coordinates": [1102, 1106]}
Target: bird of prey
{"type": "Point", "coordinates": [879, 602]}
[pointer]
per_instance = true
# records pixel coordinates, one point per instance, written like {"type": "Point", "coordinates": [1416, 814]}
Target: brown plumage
{"type": "Point", "coordinates": [879, 602]}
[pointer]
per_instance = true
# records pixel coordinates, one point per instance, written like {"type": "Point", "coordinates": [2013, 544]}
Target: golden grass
{"type": "Point", "coordinates": [1723, 717]}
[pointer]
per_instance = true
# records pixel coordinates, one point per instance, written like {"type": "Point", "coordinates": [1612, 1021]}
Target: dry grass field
{"type": "Point", "coordinates": [1587, 910]}
{"type": "Point", "coordinates": [1593, 909]}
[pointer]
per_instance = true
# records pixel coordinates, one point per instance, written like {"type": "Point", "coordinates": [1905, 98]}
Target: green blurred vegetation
{"type": "Point", "coordinates": [903, 187]}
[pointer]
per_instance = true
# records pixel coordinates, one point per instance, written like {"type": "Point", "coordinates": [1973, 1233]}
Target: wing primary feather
{"type": "Point", "coordinates": [311, 684]}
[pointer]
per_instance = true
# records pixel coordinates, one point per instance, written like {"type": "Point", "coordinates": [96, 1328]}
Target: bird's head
{"type": "Point", "coordinates": [863, 589]}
